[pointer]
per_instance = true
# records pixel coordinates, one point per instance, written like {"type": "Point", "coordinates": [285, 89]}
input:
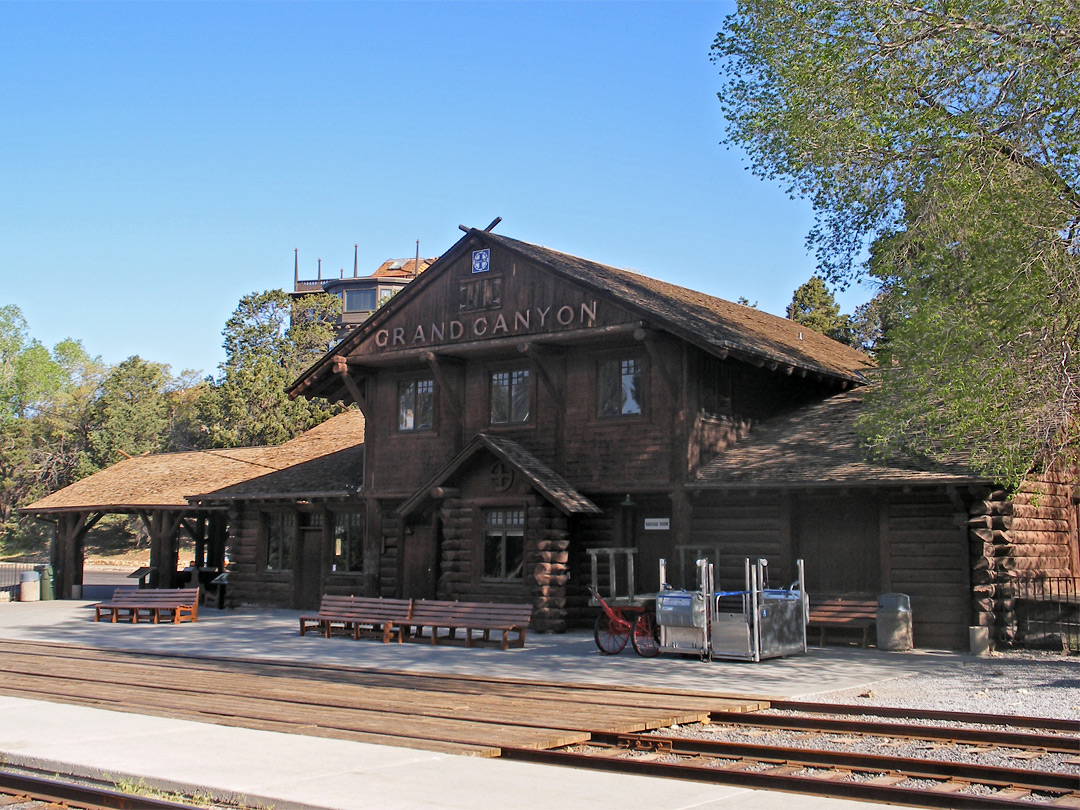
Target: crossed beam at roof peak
{"type": "Point", "coordinates": [488, 229]}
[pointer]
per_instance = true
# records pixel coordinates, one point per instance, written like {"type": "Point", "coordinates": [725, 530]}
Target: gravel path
{"type": "Point", "coordinates": [1024, 682]}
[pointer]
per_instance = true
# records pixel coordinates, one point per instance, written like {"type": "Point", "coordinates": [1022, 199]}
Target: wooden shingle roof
{"type": "Point", "coordinates": [818, 445]}
{"type": "Point", "coordinates": [332, 451]}
{"type": "Point", "coordinates": [721, 324]}
{"type": "Point", "coordinates": [545, 480]}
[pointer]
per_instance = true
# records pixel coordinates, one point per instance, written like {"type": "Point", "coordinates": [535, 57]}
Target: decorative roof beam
{"type": "Point", "coordinates": [542, 357]}
{"type": "Point", "coordinates": [648, 337]}
{"type": "Point", "coordinates": [438, 369]}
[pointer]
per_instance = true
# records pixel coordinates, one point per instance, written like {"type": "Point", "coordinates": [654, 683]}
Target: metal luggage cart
{"type": "Point", "coordinates": [748, 625]}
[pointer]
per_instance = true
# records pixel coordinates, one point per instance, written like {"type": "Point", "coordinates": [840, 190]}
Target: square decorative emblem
{"type": "Point", "coordinates": [481, 260]}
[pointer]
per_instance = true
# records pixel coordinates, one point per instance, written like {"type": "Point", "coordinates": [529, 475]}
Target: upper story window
{"type": "Point", "coordinates": [504, 543]}
{"type": "Point", "coordinates": [359, 300]}
{"type": "Point", "coordinates": [619, 387]}
{"type": "Point", "coordinates": [416, 404]}
{"type": "Point", "coordinates": [280, 529]}
{"type": "Point", "coordinates": [510, 397]}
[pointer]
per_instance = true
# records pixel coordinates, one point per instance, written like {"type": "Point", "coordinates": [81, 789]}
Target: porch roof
{"type": "Point", "coordinates": [549, 483]}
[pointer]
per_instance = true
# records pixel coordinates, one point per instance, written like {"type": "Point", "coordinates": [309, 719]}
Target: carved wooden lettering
{"type": "Point", "coordinates": [522, 321]}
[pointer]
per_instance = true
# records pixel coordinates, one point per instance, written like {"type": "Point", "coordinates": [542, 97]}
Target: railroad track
{"type": "Point", "coordinates": [32, 792]}
{"type": "Point", "coordinates": [936, 780]}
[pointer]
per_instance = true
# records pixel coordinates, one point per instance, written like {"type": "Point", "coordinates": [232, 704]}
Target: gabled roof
{"type": "Point", "coordinates": [169, 480]}
{"type": "Point", "coordinates": [716, 325]}
{"type": "Point", "coordinates": [545, 480]}
{"type": "Point", "coordinates": [818, 445]}
{"type": "Point", "coordinates": [721, 324]}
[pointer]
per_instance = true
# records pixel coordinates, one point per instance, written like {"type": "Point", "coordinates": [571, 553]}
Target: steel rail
{"type": "Point", "coordinates": [1011, 739]}
{"type": "Point", "coordinates": [876, 763]}
{"type": "Point", "coordinates": [83, 796]}
{"type": "Point", "coordinates": [975, 718]}
{"type": "Point", "coordinates": [761, 780]}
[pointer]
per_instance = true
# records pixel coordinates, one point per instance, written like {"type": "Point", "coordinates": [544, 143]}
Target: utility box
{"type": "Point", "coordinates": [29, 586]}
{"type": "Point", "coordinates": [894, 622]}
{"type": "Point", "coordinates": [46, 574]}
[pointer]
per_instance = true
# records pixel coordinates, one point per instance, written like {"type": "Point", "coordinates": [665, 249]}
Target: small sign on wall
{"type": "Point", "coordinates": [657, 524]}
{"type": "Point", "coordinates": [481, 260]}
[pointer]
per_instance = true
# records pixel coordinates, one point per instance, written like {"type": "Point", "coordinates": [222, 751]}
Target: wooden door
{"type": "Point", "coordinates": [839, 538]}
{"type": "Point", "coordinates": [651, 535]}
{"type": "Point", "coordinates": [421, 575]}
{"type": "Point", "coordinates": [307, 582]}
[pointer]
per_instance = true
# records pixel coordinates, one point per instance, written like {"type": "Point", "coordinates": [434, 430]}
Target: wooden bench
{"type": "Point", "coordinates": [172, 604]}
{"type": "Point", "coordinates": [357, 616]}
{"type": "Point", "coordinates": [482, 617]}
{"type": "Point", "coordinates": [842, 613]}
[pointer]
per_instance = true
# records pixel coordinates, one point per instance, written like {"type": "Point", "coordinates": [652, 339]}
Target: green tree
{"type": "Point", "coordinates": [944, 138]}
{"type": "Point", "coordinates": [44, 398]}
{"type": "Point", "coordinates": [131, 414]}
{"type": "Point", "coordinates": [269, 340]}
{"type": "Point", "coordinates": [813, 305]}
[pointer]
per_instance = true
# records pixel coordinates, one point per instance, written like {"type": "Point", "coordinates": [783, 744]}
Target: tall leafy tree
{"type": "Point", "coordinates": [813, 305]}
{"type": "Point", "coordinates": [269, 340]}
{"type": "Point", "coordinates": [131, 414]}
{"type": "Point", "coordinates": [44, 399]}
{"type": "Point", "coordinates": [944, 137]}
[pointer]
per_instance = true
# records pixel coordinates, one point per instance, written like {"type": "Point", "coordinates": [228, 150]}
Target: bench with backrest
{"type": "Point", "coordinates": [472, 617]}
{"type": "Point", "coordinates": [842, 613]}
{"type": "Point", "coordinates": [152, 604]}
{"type": "Point", "coordinates": [358, 616]}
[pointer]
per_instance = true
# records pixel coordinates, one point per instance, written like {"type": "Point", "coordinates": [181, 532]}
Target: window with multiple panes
{"type": "Point", "coordinates": [348, 541]}
{"type": "Point", "coordinates": [280, 528]}
{"type": "Point", "coordinates": [504, 543]}
{"type": "Point", "coordinates": [510, 397]}
{"type": "Point", "coordinates": [618, 387]}
{"type": "Point", "coordinates": [416, 404]}
{"type": "Point", "coordinates": [359, 300]}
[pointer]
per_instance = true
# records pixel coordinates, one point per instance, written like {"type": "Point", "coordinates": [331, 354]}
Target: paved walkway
{"type": "Point", "coordinates": [287, 771]}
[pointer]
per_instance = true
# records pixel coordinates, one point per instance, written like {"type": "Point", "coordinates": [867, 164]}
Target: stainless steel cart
{"type": "Point", "coordinates": [748, 625]}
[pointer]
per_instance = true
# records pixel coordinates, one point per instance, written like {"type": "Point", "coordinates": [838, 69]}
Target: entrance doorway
{"type": "Point", "coordinates": [420, 579]}
{"type": "Point", "coordinates": [307, 582]}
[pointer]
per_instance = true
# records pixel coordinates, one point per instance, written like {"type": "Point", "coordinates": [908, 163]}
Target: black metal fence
{"type": "Point", "coordinates": [1048, 612]}
{"type": "Point", "coordinates": [9, 578]}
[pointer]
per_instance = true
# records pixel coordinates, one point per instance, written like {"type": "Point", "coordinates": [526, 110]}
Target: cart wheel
{"type": "Point", "coordinates": [610, 637]}
{"type": "Point", "coordinates": [646, 638]}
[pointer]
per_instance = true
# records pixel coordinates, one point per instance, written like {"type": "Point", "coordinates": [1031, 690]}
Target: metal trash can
{"type": "Point", "coordinates": [894, 622]}
{"type": "Point", "coordinates": [46, 573]}
{"type": "Point", "coordinates": [29, 586]}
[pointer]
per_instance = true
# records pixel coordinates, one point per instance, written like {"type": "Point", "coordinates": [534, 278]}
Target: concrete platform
{"type": "Point", "coordinates": [287, 771]}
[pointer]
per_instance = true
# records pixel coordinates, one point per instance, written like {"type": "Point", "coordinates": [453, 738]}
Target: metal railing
{"type": "Point", "coordinates": [9, 577]}
{"type": "Point", "coordinates": [1048, 612]}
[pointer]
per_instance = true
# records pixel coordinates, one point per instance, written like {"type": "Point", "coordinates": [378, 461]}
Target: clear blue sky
{"type": "Point", "coordinates": [159, 160]}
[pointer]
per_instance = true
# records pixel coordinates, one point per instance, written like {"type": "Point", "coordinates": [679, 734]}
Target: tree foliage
{"type": "Point", "coordinates": [944, 137]}
{"type": "Point", "coordinates": [813, 305]}
{"type": "Point", "coordinates": [269, 340]}
{"type": "Point", "coordinates": [44, 399]}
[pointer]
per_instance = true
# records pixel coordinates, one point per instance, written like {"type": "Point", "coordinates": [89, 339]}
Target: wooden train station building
{"type": "Point", "coordinates": [522, 407]}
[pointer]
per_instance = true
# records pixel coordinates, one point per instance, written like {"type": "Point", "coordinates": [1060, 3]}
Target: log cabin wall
{"type": "Point", "coordinates": [306, 573]}
{"type": "Point", "coordinates": [249, 581]}
{"type": "Point", "coordinates": [860, 544]}
{"type": "Point", "coordinates": [1023, 535]}
{"type": "Point", "coordinates": [924, 555]}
